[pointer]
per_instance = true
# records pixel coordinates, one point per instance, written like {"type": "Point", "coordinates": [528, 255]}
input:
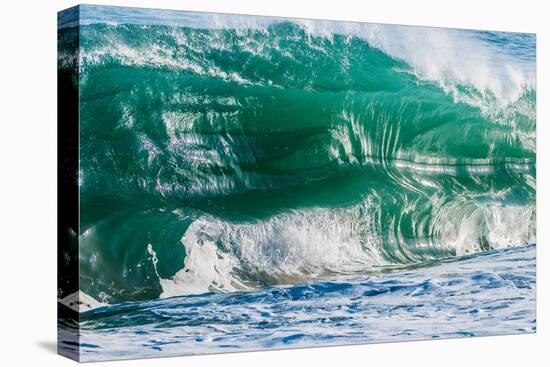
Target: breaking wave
{"type": "Point", "coordinates": [275, 153]}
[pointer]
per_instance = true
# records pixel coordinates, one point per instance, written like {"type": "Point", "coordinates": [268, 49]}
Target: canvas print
{"type": "Point", "coordinates": [236, 183]}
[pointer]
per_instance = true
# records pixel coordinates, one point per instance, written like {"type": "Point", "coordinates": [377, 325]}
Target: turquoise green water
{"type": "Point", "coordinates": [231, 159]}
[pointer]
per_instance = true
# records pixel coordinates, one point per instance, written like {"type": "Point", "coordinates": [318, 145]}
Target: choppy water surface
{"type": "Point", "coordinates": [485, 294]}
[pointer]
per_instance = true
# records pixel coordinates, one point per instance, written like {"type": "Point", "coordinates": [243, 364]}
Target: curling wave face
{"type": "Point", "coordinates": [238, 158]}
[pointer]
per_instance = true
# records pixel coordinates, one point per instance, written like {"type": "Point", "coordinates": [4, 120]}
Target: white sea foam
{"type": "Point", "coordinates": [284, 249]}
{"type": "Point", "coordinates": [305, 245]}
{"type": "Point", "coordinates": [463, 65]}
{"type": "Point", "coordinates": [206, 267]}
{"type": "Point", "coordinates": [476, 227]}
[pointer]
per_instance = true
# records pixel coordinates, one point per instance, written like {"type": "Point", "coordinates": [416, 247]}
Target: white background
{"type": "Point", "coordinates": [28, 181]}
